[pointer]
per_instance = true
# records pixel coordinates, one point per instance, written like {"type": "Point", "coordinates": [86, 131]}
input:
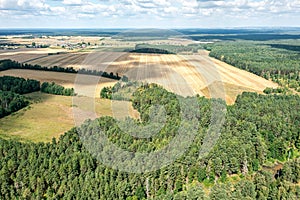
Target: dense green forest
{"type": "Point", "coordinates": [52, 88]}
{"type": "Point", "coordinates": [276, 60]}
{"type": "Point", "coordinates": [151, 51]}
{"type": "Point", "coordinates": [18, 85]}
{"type": "Point", "coordinates": [9, 64]}
{"type": "Point", "coordinates": [256, 156]}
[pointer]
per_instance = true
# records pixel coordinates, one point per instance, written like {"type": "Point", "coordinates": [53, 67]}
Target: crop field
{"type": "Point", "coordinates": [188, 75]}
{"type": "Point", "coordinates": [185, 75]}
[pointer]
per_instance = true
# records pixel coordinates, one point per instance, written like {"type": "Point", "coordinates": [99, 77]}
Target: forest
{"type": "Point", "coordinates": [18, 85]}
{"type": "Point", "coordinates": [256, 156]}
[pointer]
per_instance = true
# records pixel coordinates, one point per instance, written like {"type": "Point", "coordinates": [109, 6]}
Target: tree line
{"type": "Point", "coordinates": [9, 64]}
{"type": "Point", "coordinates": [52, 88]}
{"type": "Point", "coordinates": [278, 61]}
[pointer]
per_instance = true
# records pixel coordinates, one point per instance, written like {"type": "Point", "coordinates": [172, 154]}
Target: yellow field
{"type": "Point", "coordinates": [185, 75]}
{"type": "Point", "coordinates": [188, 75]}
{"type": "Point", "coordinates": [49, 116]}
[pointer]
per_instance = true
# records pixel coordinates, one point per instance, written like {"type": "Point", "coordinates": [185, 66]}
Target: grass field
{"type": "Point", "coordinates": [49, 116]}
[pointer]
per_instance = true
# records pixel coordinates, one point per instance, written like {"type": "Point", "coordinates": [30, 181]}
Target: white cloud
{"type": "Point", "coordinates": [72, 2]}
{"type": "Point", "coordinates": [23, 4]}
{"type": "Point", "coordinates": [150, 10]}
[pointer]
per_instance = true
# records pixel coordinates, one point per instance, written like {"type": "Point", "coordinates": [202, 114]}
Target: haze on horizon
{"type": "Point", "coordinates": [148, 13]}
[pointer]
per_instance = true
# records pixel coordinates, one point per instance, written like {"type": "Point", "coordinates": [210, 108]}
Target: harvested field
{"type": "Point", "coordinates": [27, 54]}
{"type": "Point", "coordinates": [21, 57]}
{"type": "Point", "coordinates": [188, 75]}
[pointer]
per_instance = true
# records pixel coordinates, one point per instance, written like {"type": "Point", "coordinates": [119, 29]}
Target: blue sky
{"type": "Point", "coordinates": [148, 13]}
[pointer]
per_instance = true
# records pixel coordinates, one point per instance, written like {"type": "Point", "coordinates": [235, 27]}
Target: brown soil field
{"type": "Point", "coordinates": [93, 60]}
{"type": "Point", "coordinates": [27, 54]}
{"type": "Point", "coordinates": [21, 57]}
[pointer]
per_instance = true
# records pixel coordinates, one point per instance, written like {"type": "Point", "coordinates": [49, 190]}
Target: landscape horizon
{"type": "Point", "coordinates": [204, 104]}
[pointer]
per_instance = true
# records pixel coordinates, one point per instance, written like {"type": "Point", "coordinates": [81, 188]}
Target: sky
{"type": "Point", "coordinates": [148, 13]}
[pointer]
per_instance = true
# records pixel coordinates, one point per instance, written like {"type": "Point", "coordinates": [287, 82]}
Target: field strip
{"type": "Point", "coordinates": [102, 61]}
{"type": "Point", "coordinates": [209, 73]}
{"type": "Point", "coordinates": [139, 70]}
{"type": "Point", "coordinates": [252, 79]}
{"type": "Point", "coordinates": [32, 59]}
{"type": "Point", "coordinates": [95, 60]}
{"type": "Point", "coordinates": [53, 60]}
{"type": "Point", "coordinates": [230, 74]}
{"type": "Point", "coordinates": [22, 57]}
